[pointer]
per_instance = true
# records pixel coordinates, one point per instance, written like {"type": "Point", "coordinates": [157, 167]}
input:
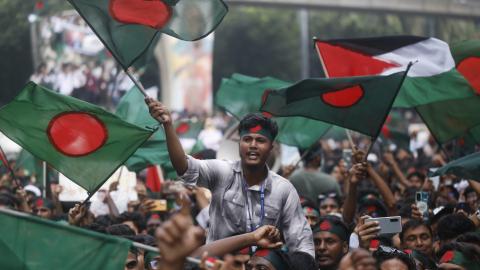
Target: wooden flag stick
{"type": "Point", "coordinates": [137, 83]}
{"type": "Point", "coordinates": [9, 168]}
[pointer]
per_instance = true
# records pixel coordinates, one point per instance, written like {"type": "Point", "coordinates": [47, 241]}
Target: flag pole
{"type": "Point", "coordinates": [44, 180]}
{"type": "Point", "coordinates": [9, 168]}
{"type": "Point", "coordinates": [137, 83]}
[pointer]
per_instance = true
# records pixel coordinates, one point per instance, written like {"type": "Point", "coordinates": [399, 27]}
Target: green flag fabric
{"type": "Point", "coordinates": [32, 243]}
{"type": "Point", "coordinates": [467, 167]}
{"type": "Point", "coordinates": [188, 128]}
{"type": "Point", "coordinates": [357, 103]}
{"type": "Point", "coordinates": [129, 27]}
{"type": "Point", "coordinates": [242, 94]}
{"type": "Point", "coordinates": [132, 108]}
{"type": "Point", "coordinates": [457, 116]}
{"type": "Point", "coordinates": [29, 163]}
{"type": "Point", "coordinates": [441, 86]}
{"type": "Point", "coordinates": [82, 141]}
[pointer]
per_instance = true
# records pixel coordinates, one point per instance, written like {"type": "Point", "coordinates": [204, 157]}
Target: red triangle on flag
{"type": "Point", "coordinates": [154, 178]}
{"type": "Point", "coordinates": [342, 62]}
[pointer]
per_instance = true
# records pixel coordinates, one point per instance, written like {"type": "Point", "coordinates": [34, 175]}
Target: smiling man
{"type": "Point", "coordinates": [417, 235]}
{"type": "Point", "coordinates": [245, 193]}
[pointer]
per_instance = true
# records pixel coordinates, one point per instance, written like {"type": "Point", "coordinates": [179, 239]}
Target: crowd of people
{"type": "Point", "coordinates": [325, 214]}
{"type": "Point", "coordinates": [74, 62]}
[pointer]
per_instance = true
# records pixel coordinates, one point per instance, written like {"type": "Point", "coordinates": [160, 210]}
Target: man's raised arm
{"type": "Point", "coordinates": [177, 156]}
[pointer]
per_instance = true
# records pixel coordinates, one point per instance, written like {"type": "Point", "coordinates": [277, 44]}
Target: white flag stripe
{"type": "Point", "coordinates": [433, 56]}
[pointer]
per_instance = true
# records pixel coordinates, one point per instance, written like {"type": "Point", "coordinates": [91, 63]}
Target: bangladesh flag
{"type": "Point", "coordinates": [394, 131]}
{"type": "Point", "coordinates": [242, 94]}
{"type": "Point", "coordinates": [358, 103]}
{"type": "Point", "coordinates": [80, 140]}
{"type": "Point", "coordinates": [154, 151]}
{"type": "Point", "coordinates": [33, 243]}
{"type": "Point", "coordinates": [188, 128]}
{"type": "Point", "coordinates": [467, 167]}
{"type": "Point", "coordinates": [129, 27]}
{"type": "Point", "coordinates": [467, 60]}
{"type": "Point", "coordinates": [433, 77]}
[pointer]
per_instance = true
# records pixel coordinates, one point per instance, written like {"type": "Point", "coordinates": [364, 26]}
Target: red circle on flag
{"type": "Point", "coordinates": [152, 13]}
{"type": "Point", "coordinates": [469, 68]}
{"type": "Point", "coordinates": [343, 98]}
{"type": "Point", "coordinates": [76, 133]}
{"type": "Point", "coordinates": [182, 128]}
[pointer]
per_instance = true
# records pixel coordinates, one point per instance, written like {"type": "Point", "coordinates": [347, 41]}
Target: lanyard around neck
{"type": "Point", "coordinates": [262, 206]}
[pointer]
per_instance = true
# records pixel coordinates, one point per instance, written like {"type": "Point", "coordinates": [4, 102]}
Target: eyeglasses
{"type": "Point", "coordinates": [40, 210]}
{"type": "Point", "coordinates": [322, 197]}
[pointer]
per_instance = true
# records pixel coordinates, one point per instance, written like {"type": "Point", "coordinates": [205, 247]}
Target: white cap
{"type": "Point", "coordinates": [35, 190]}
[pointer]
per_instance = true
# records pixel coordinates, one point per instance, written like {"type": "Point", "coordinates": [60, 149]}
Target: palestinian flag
{"type": "Point", "coordinates": [440, 93]}
{"type": "Point", "coordinates": [433, 77]}
{"type": "Point", "coordinates": [357, 103]}
{"type": "Point", "coordinates": [154, 151]}
{"type": "Point", "coordinates": [467, 167]}
{"type": "Point", "coordinates": [458, 116]}
{"type": "Point", "coordinates": [32, 243]}
{"type": "Point", "coordinates": [129, 27]}
{"type": "Point", "coordinates": [241, 95]}
{"type": "Point", "coordinates": [80, 140]}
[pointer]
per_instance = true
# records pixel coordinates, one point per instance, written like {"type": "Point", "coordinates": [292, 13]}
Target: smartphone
{"type": "Point", "coordinates": [347, 157]}
{"type": "Point", "coordinates": [159, 206]}
{"type": "Point", "coordinates": [388, 225]}
{"type": "Point", "coordinates": [421, 200]}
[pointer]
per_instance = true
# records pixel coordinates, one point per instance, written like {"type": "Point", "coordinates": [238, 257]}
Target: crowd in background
{"type": "Point", "coordinates": [336, 198]}
{"type": "Point", "coordinates": [335, 204]}
{"type": "Point", "coordinates": [75, 63]}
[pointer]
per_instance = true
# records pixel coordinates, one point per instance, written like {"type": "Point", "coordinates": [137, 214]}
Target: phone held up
{"type": "Point", "coordinates": [388, 225]}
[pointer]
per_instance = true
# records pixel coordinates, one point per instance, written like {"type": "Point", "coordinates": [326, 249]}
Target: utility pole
{"type": "Point", "coordinates": [304, 43]}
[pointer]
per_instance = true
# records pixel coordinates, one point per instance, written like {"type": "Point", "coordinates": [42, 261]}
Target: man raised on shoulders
{"type": "Point", "coordinates": [245, 193]}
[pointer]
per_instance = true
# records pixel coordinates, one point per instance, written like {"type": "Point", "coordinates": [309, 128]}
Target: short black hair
{"type": "Point", "coordinates": [471, 237]}
{"type": "Point", "coordinates": [469, 189]}
{"type": "Point", "coordinates": [302, 261]}
{"type": "Point", "coordinates": [135, 217]}
{"type": "Point", "coordinates": [253, 119]}
{"type": "Point", "coordinates": [381, 256]}
{"type": "Point", "coordinates": [420, 175]}
{"type": "Point", "coordinates": [313, 152]}
{"type": "Point", "coordinates": [451, 226]}
{"type": "Point", "coordinates": [120, 230]}
{"type": "Point", "coordinates": [412, 224]}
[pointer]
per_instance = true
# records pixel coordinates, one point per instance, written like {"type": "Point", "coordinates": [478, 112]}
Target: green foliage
{"type": "Point", "coordinates": [258, 42]}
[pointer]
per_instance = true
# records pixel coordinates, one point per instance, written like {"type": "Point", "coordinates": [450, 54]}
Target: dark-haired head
{"type": "Point", "coordinates": [451, 226]}
{"type": "Point", "coordinates": [260, 124]}
{"type": "Point", "coordinates": [388, 258]}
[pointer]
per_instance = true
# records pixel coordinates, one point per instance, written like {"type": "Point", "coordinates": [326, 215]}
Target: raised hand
{"type": "Point", "coordinates": [76, 214]}
{"type": "Point", "coordinates": [366, 231]}
{"type": "Point", "coordinates": [358, 172]}
{"type": "Point", "coordinates": [158, 111]}
{"type": "Point", "coordinates": [267, 236]}
{"type": "Point", "coordinates": [178, 237]}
